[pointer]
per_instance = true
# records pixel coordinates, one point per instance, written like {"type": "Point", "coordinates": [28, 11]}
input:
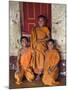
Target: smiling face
{"type": "Point", "coordinates": [50, 45]}
{"type": "Point", "coordinates": [41, 22]}
{"type": "Point", "coordinates": [24, 42]}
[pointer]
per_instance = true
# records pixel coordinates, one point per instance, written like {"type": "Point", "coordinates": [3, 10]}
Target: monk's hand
{"type": "Point", "coordinates": [32, 51]}
{"type": "Point", "coordinates": [42, 70]}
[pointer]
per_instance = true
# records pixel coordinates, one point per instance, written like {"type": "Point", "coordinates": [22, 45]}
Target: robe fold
{"type": "Point", "coordinates": [51, 69]}
{"type": "Point", "coordinates": [25, 69]}
{"type": "Point", "coordinates": [38, 45]}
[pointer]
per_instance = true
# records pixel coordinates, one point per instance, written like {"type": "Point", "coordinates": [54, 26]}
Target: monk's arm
{"type": "Point", "coordinates": [18, 60]}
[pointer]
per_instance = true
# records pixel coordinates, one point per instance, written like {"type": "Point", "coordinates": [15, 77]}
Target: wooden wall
{"type": "Point", "coordinates": [29, 13]}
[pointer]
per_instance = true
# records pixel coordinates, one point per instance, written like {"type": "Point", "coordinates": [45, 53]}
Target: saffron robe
{"type": "Point", "coordinates": [25, 70]}
{"type": "Point", "coordinates": [51, 69]}
{"type": "Point", "coordinates": [39, 35]}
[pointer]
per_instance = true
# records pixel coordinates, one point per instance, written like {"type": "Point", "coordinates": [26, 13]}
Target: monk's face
{"type": "Point", "coordinates": [41, 22]}
{"type": "Point", "coordinates": [50, 45]}
{"type": "Point", "coordinates": [24, 42]}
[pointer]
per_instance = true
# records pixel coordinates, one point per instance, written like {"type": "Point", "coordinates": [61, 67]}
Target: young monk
{"type": "Point", "coordinates": [51, 69]}
{"type": "Point", "coordinates": [39, 35]}
{"type": "Point", "coordinates": [23, 63]}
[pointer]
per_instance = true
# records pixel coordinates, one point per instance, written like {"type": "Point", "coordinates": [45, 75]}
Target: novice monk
{"type": "Point", "coordinates": [39, 35]}
{"type": "Point", "coordinates": [23, 63]}
{"type": "Point", "coordinates": [51, 69]}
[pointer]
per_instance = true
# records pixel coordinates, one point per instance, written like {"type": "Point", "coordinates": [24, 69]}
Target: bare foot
{"type": "Point", "coordinates": [18, 83]}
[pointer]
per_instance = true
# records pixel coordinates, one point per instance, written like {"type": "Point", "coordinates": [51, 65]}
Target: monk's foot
{"type": "Point", "coordinates": [37, 77]}
{"type": "Point", "coordinates": [29, 80]}
{"type": "Point", "coordinates": [57, 83]}
{"type": "Point", "coordinates": [18, 83]}
{"type": "Point", "coordinates": [54, 84]}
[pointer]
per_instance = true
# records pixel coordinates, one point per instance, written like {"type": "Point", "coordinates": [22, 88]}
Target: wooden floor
{"type": "Point", "coordinates": [26, 84]}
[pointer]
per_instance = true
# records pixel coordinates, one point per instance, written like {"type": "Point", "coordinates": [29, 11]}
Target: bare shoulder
{"type": "Point", "coordinates": [19, 52]}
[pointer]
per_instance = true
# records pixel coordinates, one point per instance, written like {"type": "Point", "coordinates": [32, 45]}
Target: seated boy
{"type": "Point", "coordinates": [51, 69]}
{"type": "Point", "coordinates": [23, 63]}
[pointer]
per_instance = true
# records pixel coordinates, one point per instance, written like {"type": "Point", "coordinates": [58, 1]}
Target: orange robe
{"type": "Point", "coordinates": [25, 69]}
{"type": "Point", "coordinates": [25, 58]}
{"type": "Point", "coordinates": [51, 63]}
{"type": "Point", "coordinates": [38, 45]}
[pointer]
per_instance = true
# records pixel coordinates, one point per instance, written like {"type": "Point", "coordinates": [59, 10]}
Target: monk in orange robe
{"type": "Point", "coordinates": [51, 69]}
{"type": "Point", "coordinates": [23, 63]}
{"type": "Point", "coordinates": [39, 35]}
